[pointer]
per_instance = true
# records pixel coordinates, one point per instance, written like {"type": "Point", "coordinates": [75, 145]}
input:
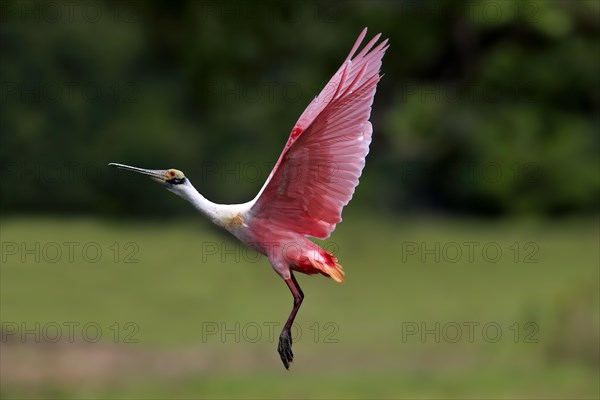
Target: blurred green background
{"type": "Point", "coordinates": [470, 247]}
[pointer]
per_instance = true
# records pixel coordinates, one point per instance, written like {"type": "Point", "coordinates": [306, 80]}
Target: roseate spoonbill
{"type": "Point", "coordinates": [314, 178]}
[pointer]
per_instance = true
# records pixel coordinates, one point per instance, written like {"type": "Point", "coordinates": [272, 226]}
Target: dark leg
{"type": "Point", "coordinates": [285, 339]}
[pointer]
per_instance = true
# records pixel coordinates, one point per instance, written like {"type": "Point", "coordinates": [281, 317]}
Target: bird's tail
{"type": "Point", "coordinates": [314, 260]}
{"type": "Point", "coordinates": [328, 265]}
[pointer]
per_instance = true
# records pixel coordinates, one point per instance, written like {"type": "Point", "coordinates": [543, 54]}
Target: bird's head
{"type": "Point", "coordinates": [172, 179]}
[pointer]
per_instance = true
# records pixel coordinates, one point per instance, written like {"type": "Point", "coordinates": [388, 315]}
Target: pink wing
{"type": "Point", "coordinates": [323, 158]}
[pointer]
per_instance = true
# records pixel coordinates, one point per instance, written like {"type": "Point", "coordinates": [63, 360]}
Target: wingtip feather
{"type": "Point", "coordinates": [359, 40]}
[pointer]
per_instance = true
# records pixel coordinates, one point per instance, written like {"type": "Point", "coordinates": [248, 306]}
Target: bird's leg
{"type": "Point", "coordinates": [285, 339]}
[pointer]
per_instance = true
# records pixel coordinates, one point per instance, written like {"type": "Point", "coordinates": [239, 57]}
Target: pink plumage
{"type": "Point", "coordinates": [319, 168]}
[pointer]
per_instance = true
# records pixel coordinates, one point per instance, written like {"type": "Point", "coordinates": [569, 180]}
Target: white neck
{"type": "Point", "coordinates": [212, 210]}
{"type": "Point", "coordinates": [220, 214]}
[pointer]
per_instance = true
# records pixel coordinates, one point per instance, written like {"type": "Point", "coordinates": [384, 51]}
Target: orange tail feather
{"type": "Point", "coordinates": [331, 267]}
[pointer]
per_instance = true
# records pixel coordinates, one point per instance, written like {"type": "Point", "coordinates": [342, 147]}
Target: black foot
{"type": "Point", "coordinates": [285, 348]}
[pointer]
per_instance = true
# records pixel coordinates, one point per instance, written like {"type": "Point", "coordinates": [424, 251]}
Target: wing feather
{"type": "Point", "coordinates": [319, 168]}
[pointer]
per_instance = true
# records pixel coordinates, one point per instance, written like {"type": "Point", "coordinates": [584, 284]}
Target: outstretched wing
{"type": "Point", "coordinates": [323, 158]}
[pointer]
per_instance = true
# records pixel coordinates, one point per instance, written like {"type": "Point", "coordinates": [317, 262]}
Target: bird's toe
{"type": "Point", "coordinates": [285, 348]}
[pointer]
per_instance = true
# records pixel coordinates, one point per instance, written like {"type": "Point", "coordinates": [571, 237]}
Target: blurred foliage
{"type": "Point", "coordinates": [486, 107]}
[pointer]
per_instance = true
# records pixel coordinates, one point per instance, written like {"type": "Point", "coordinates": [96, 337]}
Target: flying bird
{"type": "Point", "coordinates": [313, 179]}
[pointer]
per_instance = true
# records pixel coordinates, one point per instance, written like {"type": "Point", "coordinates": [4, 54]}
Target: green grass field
{"type": "Point", "coordinates": [431, 308]}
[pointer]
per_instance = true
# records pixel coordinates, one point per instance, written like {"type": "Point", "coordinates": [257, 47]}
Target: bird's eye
{"type": "Point", "coordinates": [174, 176]}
